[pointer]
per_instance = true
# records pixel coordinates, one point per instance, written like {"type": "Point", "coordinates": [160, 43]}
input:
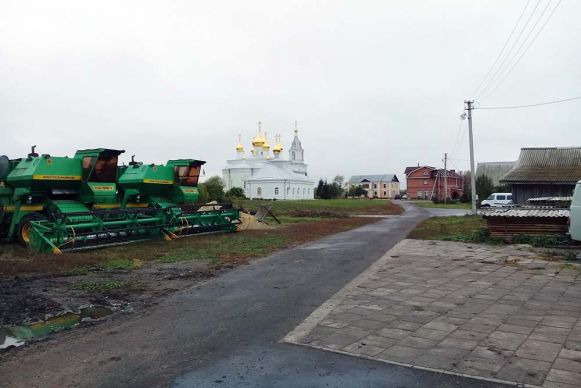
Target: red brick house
{"type": "Point", "coordinates": [425, 182]}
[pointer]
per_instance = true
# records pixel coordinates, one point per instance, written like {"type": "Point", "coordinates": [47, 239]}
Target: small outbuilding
{"type": "Point", "coordinates": [544, 172]}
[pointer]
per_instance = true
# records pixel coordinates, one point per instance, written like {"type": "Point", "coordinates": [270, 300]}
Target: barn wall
{"type": "Point", "coordinates": [522, 192]}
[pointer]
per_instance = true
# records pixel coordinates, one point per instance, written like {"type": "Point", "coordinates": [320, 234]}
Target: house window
{"type": "Point", "coordinates": [276, 191]}
{"type": "Point", "coordinates": [427, 194]}
{"type": "Point", "coordinates": [384, 193]}
{"type": "Point", "coordinates": [384, 185]}
{"type": "Point", "coordinates": [375, 185]}
{"type": "Point", "coordinates": [259, 191]}
{"type": "Point", "coordinates": [425, 182]}
{"type": "Point", "coordinates": [420, 195]}
{"type": "Point", "coordinates": [425, 173]}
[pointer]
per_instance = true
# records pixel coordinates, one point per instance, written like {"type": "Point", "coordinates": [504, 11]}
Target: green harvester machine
{"type": "Point", "coordinates": [56, 204]}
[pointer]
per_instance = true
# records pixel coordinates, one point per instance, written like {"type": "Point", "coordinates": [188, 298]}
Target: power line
{"type": "Point", "coordinates": [476, 92]}
{"type": "Point", "coordinates": [509, 54]}
{"type": "Point", "coordinates": [531, 105]}
{"type": "Point", "coordinates": [458, 136]}
{"type": "Point", "coordinates": [528, 46]}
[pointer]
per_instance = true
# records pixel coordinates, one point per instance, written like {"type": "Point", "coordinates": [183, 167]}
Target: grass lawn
{"type": "Point", "coordinates": [222, 249]}
{"type": "Point", "coordinates": [301, 221]}
{"type": "Point", "coordinates": [459, 205]}
{"type": "Point", "coordinates": [324, 208]}
{"type": "Point", "coordinates": [448, 228]}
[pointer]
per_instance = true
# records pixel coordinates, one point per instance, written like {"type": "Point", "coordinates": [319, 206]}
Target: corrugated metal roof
{"type": "Point", "coordinates": [550, 199]}
{"type": "Point", "coordinates": [494, 170]}
{"type": "Point", "coordinates": [525, 212]}
{"type": "Point", "coordinates": [373, 178]}
{"type": "Point", "coordinates": [556, 165]}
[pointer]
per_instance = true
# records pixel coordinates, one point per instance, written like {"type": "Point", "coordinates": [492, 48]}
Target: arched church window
{"type": "Point", "coordinates": [303, 191]}
{"type": "Point", "coordinates": [259, 191]}
{"type": "Point", "coordinates": [276, 191]}
{"type": "Point", "coordinates": [288, 189]}
{"type": "Point", "coordinates": [294, 155]}
{"type": "Point", "coordinates": [293, 191]}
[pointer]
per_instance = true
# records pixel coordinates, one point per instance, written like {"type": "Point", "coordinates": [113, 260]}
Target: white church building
{"type": "Point", "coordinates": [268, 176]}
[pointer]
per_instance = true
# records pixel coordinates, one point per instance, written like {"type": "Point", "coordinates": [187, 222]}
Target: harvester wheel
{"type": "Point", "coordinates": [23, 230]}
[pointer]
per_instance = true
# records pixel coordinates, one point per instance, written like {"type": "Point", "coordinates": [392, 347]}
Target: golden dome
{"type": "Point", "coordinates": [266, 146]}
{"type": "Point", "coordinates": [258, 140]}
{"type": "Point", "coordinates": [239, 148]}
{"type": "Point", "coordinates": [278, 147]}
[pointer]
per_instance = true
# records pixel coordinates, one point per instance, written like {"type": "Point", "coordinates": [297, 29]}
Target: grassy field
{"type": "Point", "coordinates": [430, 204]}
{"type": "Point", "coordinates": [301, 221]}
{"type": "Point", "coordinates": [323, 208]}
{"type": "Point", "coordinates": [448, 228]}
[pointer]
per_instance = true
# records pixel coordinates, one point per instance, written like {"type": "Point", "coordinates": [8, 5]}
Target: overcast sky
{"type": "Point", "coordinates": [375, 85]}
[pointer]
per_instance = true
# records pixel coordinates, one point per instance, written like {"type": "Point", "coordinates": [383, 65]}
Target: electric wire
{"type": "Point", "coordinates": [458, 135]}
{"type": "Point", "coordinates": [509, 53]}
{"type": "Point", "coordinates": [511, 68]}
{"type": "Point", "coordinates": [531, 105]}
{"type": "Point", "coordinates": [478, 89]}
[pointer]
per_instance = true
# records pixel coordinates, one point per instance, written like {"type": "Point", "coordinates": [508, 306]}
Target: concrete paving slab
{"type": "Point", "coordinates": [460, 309]}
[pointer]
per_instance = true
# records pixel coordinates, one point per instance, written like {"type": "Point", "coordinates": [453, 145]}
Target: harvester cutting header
{"type": "Point", "coordinates": [54, 204]}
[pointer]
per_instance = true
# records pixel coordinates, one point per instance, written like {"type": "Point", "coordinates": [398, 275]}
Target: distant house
{"type": "Point", "coordinates": [426, 182]}
{"type": "Point", "coordinates": [544, 172]}
{"type": "Point", "coordinates": [377, 186]}
{"type": "Point", "coordinates": [494, 170]}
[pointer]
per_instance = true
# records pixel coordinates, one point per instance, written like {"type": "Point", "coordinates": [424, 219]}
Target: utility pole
{"type": "Point", "coordinates": [445, 178]}
{"type": "Point", "coordinates": [469, 106]}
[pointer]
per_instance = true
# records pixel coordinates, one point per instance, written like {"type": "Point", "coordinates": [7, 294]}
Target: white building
{"type": "Point", "coordinates": [268, 176]}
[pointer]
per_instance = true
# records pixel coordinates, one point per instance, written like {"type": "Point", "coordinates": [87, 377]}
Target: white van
{"type": "Point", "coordinates": [575, 217]}
{"type": "Point", "coordinates": [497, 200]}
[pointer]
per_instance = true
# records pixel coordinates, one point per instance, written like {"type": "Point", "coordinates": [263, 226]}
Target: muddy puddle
{"type": "Point", "coordinates": [19, 335]}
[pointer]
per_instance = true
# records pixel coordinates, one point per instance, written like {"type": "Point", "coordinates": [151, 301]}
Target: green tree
{"type": "Point", "coordinates": [467, 192]}
{"type": "Point", "coordinates": [337, 187]}
{"type": "Point", "coordinates": [214, 187]}
{"type": "Point", "coordinates": [360, 192]}
{"type": "Point", "coordinates": [235, 192]}
{"type": "Point", "coordinates": [320, 188]}
{"type": "Point", "coordinates": [507, 188]}
{"type": "Point", "coordinates": [484, 187]}
{"type": "Point", "coordinates": [203, 194]}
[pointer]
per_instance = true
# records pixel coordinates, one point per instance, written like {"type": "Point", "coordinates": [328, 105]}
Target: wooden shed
{"type": "Point", "coordinates": [544, 172]}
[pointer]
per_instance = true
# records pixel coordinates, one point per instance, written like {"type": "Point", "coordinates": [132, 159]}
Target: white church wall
{"type": "Point", "coordinates": [279, 190]}
{"type": "Point", "coordinates": [235, 177]}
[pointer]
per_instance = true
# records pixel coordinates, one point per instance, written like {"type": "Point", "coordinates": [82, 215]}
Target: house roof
{"type": "Point", "coordinates": [548, 165]}
{"type": "Point", "coordinates": [494, 170]}
{"type": "Point", "coordinates": [373, 178]}
{"type": "Point", "coordinates": [408, 170]}
{"type": "Point", "coordinates": [450, 174]}
{"type": "Point", "coordinates": [272, 172]}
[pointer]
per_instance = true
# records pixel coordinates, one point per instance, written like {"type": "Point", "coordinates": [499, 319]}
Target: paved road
{"type": "Point", "coordinates": [226, 332]}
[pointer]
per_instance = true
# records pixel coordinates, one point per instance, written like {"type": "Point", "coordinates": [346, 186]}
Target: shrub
{"type": "Point", "coordinates": [541, 240]}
